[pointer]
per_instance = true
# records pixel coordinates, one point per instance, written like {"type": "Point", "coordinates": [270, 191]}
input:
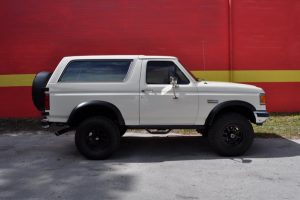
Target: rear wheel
{"type": "Point", "coordinates": [231, 134]}
{"type": "Point", "coordinates": [97, 138]}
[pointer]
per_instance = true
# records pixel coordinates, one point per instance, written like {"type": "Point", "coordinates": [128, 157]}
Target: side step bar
{"type": "Point", "coordinates": [158, 131]}
{"type": "Point", "coordinates": [62, 131]}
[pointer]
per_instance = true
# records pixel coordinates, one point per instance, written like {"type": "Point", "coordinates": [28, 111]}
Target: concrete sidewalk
{"type": "Point", "coordinates": [43, 166]}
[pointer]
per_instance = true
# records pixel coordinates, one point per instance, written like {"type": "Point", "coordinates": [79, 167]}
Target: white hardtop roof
{"type": "Point", "coordinates": [119, 57]}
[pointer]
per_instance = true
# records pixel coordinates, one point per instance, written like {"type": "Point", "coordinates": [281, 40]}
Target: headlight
{"type": "Point", "coordinates": [262, 99]}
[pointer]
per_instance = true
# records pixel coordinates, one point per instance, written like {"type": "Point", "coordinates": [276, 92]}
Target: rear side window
{"type": "Point", "coordinates": [159, 72]}
{"type": "Point", "coordinates": [96, 71]}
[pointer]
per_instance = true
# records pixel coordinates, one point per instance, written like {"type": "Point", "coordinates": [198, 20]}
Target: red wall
{"type": "Point", "coordinates": [266, 36]}
{"type": "Point", "coordinates": [35, 35]}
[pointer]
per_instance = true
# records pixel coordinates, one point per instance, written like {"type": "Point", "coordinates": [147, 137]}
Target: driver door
{"type": "Point", "coordinates": [158, 102]}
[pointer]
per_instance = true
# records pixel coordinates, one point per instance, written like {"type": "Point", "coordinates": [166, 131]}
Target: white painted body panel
{"type": "Point", "coordinates": [159, 106]}
{"type": "Point", "coordinates": [147, 108]}
{"type": "Point", "coordinates": [223, 92]}
{"type": "Point", "coordinates": [64, 97]}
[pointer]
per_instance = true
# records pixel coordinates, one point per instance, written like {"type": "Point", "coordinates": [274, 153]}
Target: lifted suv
{"type": "Point", "coordinates": [101, 96]}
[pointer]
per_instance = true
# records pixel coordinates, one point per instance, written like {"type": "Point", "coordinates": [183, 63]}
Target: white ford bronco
{"type": "Point", "coordinates": [100, 97]}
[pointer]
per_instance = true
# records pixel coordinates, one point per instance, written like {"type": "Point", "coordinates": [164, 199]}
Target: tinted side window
{"type": "Point", "coordinates": [159, 72]}
{"type": "Point", "coordinates": [96, 71]}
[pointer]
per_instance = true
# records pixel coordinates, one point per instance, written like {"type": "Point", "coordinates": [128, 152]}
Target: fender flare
{"type": "Point", "coordinates": [227, 104]}
{"type": "Point", "coordinates": [80, 108]}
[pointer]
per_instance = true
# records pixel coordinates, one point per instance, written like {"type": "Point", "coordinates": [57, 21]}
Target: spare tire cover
{"type": "Point", "coordinates": [38, 89]}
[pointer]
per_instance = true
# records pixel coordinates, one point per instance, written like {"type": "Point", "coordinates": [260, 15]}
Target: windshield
{"type": "Point", "coordinates": [190, 73]}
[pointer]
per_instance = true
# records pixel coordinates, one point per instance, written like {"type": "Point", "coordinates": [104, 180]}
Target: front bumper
{"type": "Point", "coordinates": [261, 116]}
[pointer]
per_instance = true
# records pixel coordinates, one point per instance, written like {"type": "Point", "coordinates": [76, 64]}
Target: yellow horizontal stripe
{"type": "Point", "coordinates": [250, 75]}
{"type": "Point", "coordinates": [16, 80]}
{"type": "Point", "coordinates": [212, 75]}
{"type": "Point", "coordinates": [267, 76]}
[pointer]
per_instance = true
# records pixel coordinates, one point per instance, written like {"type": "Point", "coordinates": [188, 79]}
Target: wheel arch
{"type": "Point", "coordinates": [242, 107]}
{"type": "Point", "coordinates": [95, 108]}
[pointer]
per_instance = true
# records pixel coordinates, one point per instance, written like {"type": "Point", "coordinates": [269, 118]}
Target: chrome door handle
{"type": "Point", "coordinates": [147, 90]}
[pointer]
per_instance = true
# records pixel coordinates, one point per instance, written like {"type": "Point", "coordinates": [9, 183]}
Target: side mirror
{"type": "Point", "coordinates": [173, 81]}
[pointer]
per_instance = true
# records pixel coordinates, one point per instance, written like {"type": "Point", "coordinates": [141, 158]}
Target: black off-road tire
{"type": "Point", "coordinates": [97, 138]}
{"type": "Point", "coordinates": [231, 134]}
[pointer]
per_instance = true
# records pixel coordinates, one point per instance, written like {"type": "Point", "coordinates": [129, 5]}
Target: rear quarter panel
{"type": "Point", "coordinates": [64, 97]}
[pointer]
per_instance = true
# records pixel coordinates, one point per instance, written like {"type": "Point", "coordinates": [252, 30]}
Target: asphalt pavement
{"type": "Point", "coordinates": [44, 166]}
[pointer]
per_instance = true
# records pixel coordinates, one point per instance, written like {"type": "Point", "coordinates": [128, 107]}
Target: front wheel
{"type": "Point", "coordinates": [97, 138]}
{"type": "Point", "coordinates": [231, 134]}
